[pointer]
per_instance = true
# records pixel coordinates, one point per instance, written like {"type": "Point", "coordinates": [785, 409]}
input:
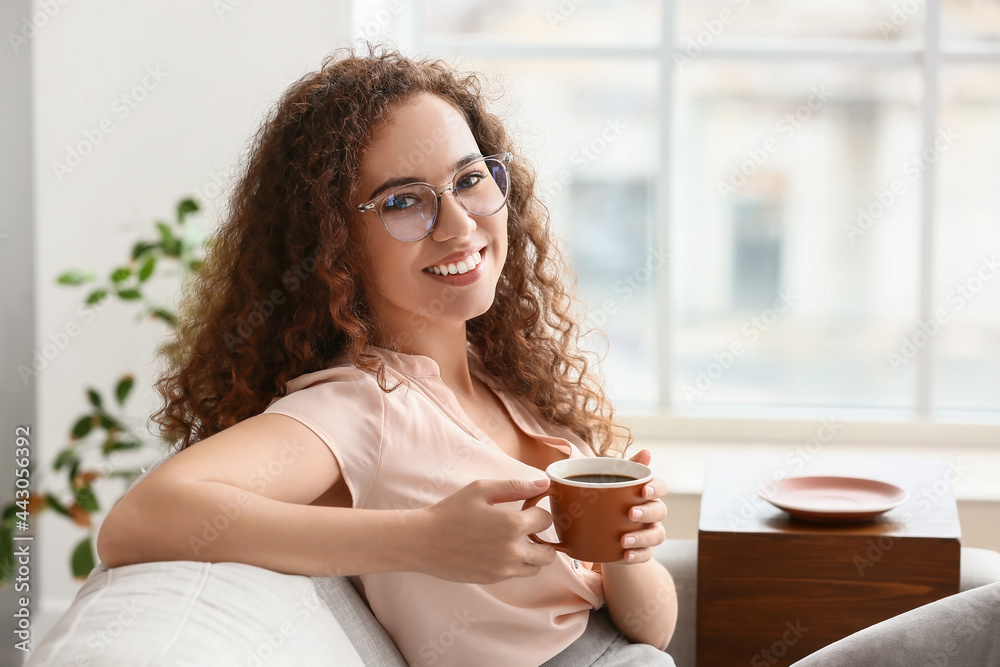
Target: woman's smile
{"type": "Point", "coordinates": [460, 268]}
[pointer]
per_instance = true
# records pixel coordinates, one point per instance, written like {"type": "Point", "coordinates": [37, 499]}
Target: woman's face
{"type": "Point", "coordinates": [426, 140]}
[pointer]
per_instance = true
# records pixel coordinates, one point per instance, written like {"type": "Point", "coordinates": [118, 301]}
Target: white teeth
{"type": "Point", "coordinates": [464, 266]}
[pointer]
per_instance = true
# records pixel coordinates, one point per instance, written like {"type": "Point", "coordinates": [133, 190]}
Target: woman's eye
{"type": "Point", "coordinates": [398, 202]}
{"type": "Point", "coordinates": [469, 180]}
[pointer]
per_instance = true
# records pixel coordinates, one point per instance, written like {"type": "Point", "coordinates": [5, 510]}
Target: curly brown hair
{"type": "Point", "coordinates": [281, 290]}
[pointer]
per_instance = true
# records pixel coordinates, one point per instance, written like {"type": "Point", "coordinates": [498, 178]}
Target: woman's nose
{"type": "Point", "coordinates": [453, 221]}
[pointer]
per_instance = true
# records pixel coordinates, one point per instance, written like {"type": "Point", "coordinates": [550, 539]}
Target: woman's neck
{"type": "Point", "coordinates": [448, 349]}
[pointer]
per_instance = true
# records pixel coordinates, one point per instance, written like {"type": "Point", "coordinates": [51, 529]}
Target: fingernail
{"type": "Point", "coordinates": [636, 514]}
{"type": "Point", "coordinates": [630, 557]}
{"type": "Point", "coordinates": [541, 483]}
{"type": "Point", "coordinates": [649, 491]}
{"type": "Point", "coordinates": [629, 542]}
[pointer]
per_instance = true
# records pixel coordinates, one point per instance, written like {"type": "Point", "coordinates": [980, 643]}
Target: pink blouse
{"type": "Point", "coordinates": [412, 447]}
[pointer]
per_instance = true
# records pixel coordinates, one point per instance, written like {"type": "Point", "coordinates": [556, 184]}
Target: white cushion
{"type": "Point", "coordinates": [187, 613]}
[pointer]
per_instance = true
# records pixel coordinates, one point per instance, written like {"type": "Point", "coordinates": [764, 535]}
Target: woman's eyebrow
{"type": "Point", "coordinates": [406, 180]}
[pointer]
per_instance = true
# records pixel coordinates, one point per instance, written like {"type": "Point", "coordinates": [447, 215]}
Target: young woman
{"type": "Point", "coordinates": [375, 367]}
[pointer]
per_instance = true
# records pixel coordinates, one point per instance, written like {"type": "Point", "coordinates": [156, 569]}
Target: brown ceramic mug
{"type": "Point", "coordinates": [589, 499]}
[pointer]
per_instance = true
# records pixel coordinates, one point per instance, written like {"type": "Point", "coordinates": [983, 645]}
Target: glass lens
{"type": "Point", "coordinates": [563, 22]}
{"type": "Point", "coordinates": [793, 276]}
{"type": "Point", "coordinates": [963, 329]}
{"type": "Point", "coordinates": [482, 186]}
{"type": "Point", "coordinates": [408, 212]}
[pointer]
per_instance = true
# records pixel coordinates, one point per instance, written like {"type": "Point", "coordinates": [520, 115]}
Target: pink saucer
{"type": "Point", "coordinates": [833, 499]}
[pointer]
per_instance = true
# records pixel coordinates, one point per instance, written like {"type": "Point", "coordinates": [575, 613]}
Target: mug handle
{"type": "Point", "coordinates": [531, 502]}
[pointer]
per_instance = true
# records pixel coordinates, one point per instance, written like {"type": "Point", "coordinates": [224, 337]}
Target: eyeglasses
{"type": "Point", "coordinates": [409, 212]}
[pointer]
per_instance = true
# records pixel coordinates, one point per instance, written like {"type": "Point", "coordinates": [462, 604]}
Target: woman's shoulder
{"type": "Point", "coordinates": [344, 379]}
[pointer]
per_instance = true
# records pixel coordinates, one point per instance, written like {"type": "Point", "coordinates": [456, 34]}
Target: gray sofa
{"type": "Point", "coordinates": [187, 613]}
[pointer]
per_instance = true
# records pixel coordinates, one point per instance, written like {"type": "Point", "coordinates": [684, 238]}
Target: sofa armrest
{"type": "Point", "coordinates": [188, 613]}
{"type": "Point", "coordinates": [962, 630]}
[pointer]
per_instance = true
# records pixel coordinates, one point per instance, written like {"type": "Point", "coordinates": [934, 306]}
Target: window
{"type": "Point", "coordinates": [776, 209]}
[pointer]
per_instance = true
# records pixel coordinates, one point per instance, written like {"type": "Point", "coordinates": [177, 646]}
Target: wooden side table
{"type": "Point", "coordinates": [773, 589]}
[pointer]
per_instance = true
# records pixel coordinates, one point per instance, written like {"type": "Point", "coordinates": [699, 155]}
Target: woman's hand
{"type": "Point", "coordinates": [466, 537]}
{"type": "Point", "coordinates": [640, 544]}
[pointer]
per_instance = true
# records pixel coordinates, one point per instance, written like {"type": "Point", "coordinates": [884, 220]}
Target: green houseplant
{"type": "Point", "coordinates": [98, 438]}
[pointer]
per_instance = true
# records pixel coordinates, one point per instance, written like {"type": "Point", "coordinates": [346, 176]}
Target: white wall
{"type": "Point", "coordinates": [222, 65]}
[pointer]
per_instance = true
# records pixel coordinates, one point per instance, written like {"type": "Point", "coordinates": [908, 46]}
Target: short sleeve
{"type": "Point", "coordinates": [345, 407]}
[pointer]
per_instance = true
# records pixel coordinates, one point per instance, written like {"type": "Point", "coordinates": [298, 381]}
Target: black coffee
{"type": "Point", "coordinates": [601, 478]}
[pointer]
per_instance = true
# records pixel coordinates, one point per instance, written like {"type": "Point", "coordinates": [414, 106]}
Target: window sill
{"type": "Point", "coordinates": [681, 462]}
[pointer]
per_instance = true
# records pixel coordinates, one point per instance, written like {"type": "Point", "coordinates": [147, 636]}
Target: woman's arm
{"type": "Point", "coordinates": [240, 496]}
{"type": "Point", "coordinates": [642, 600]}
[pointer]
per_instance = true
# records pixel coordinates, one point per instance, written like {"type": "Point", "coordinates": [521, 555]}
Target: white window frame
{"type": "Point", "coordinates": [919, 427]}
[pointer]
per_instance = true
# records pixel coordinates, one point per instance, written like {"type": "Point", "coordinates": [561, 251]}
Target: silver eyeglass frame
{"type": "Point", "coordinates": [504, 158]}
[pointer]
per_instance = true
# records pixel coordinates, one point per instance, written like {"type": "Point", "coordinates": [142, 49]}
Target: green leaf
{"type": "Point", "coordinates": [129, 294]}
{"type": "Point", "coordinates": [171, 245]}
{"type": "Point", "coordinates": [165, 315]}
{"type": "Point", "coordinates": [123, 388]}
{"type": "Point", "coordinates": [82, 560]}
{"type": "Point", "coordinates": [56, 505]}
{"type": "Point", "coordinates": [116, 445]}
{"type": "Point", "coordinates": [185, 207]}
{"type": "Point", "coordinates": [66, 456]}
{"type": "Point", "coordinates": [109, 422]}
{"type": "Point", "coordinates": [8, 515]}
{"type": "Point", "coordinates": [96, 296]}
{"type": "Point", "coordinates": [6, 554]}
{"type": "Point", "coordinates": [82, 426]}
{"type": "Point", "coordinates": [95, 398]}
{"type": "Point", "coordinates": [74, 277]}
{"type": "Point", "coordinates": [147, 268]}
{"type": "Point", "coordinates": [120, 274]}
{"type": "Point", "coordinates": [142, 247]}
{"type": "Point", "coordinates": [74, 467]}
{"type": "Point", "coordinates": [86, 499]}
